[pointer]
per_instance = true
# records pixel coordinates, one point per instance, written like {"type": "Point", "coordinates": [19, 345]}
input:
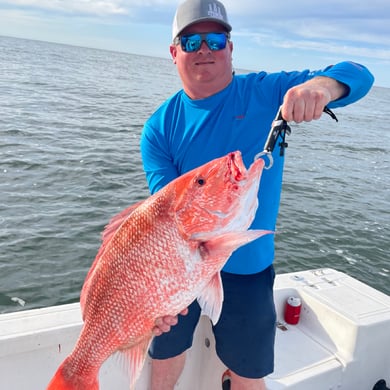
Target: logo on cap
{"type": "Point", "coordinates": [215, 11]}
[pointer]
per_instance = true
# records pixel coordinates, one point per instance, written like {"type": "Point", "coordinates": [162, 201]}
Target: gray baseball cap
{"type": "Point", "coordinates": [194, 11]}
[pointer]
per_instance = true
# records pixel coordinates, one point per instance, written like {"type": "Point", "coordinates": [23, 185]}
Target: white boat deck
{"type": "Point", "coordinates": [341, 342]}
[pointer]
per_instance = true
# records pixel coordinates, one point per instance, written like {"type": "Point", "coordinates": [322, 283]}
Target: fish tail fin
{"type": "Point", "coordinates": [60, 382]}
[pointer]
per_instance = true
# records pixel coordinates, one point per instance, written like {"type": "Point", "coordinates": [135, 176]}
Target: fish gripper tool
{"type": "Point", "coordinates": [280, 128]}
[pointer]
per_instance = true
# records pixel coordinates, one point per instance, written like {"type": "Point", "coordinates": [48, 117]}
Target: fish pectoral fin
{"type": "Point", "coordinates": [211, 298]}
{"type": "Point", "coordinates": [223, 246]}
{"type": "Point", "coordinates": [134, 359]}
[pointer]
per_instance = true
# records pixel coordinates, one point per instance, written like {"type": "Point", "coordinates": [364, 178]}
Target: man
{"type": "Point", "coordinates": [218, 112]}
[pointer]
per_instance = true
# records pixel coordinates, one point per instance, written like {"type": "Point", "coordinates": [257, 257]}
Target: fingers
{"type": "Point", "coordinates": [164, 324]}
{"type": "Point", "coordinates": [304, 102]}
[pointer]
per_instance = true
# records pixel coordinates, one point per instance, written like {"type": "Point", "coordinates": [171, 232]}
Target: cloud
{"type": "Point", "coordinates": [326, 37]}
{"type": "Point", "coordinates": [91, 7]}
{"type": "Point", "coordinates": [306, 8]}
{"type": "Point", "coordinates": [338, 26]}
{"type": "Point", "coordinates": [301, 16]}
{"type": "Point", "coordinates": [130, 8]}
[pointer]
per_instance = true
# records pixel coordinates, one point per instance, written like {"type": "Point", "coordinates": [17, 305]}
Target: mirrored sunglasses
{"type": "Point", "coordinates": [192, 42]}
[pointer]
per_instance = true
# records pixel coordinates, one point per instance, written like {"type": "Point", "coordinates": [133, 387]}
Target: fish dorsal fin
{"type": "Point", "coordinates": [211, 298]}
{"type": "Point", "coordinates": [108, 232]}
{"type": "Point", "coordinates": [116, 222]}
{"type": "Point", "coordinates": [133, 359]}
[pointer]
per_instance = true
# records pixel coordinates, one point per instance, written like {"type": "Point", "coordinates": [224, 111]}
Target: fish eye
{"type": "Point", "coordinates": [201, 181]}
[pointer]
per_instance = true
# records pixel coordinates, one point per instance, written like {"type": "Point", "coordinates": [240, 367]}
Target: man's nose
{"type": "Point", "coordinates": [204, 46]}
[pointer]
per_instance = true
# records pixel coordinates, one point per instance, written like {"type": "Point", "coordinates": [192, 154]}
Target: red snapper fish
{"type": "Point", "coordinates": [156, 258]}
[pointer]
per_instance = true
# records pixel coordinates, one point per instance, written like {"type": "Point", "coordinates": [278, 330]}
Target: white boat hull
{"type": "Point", "coordinates": [342, 341]}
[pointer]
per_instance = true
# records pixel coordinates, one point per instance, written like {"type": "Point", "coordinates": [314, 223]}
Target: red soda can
{"type": "Point", "coordinates": [292, 310]}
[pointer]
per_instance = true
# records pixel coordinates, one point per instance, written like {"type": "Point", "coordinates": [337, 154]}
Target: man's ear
{"type": "Point", "coordinates": [231, 46]}
{"type": "Point", "coordinates": [173, 51]}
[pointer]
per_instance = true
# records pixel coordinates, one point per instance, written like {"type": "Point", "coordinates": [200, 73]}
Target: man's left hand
{"type": "Point", "coordinates": [307, 101]}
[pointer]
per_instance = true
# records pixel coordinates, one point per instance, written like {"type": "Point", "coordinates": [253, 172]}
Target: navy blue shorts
{"type": "Point", "coordinates": [245, 332]}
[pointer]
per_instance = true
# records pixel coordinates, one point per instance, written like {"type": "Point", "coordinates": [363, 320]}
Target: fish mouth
{"type": "Point", "coordinates": [238, 172]}
{"type": "Point", "coordinates": [237, 168]}
{"type": "Point", "coordinates": [247, 186]}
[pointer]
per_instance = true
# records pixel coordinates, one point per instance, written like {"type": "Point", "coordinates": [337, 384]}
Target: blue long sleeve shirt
{"type": "Point", "coordinates": [184, 134]}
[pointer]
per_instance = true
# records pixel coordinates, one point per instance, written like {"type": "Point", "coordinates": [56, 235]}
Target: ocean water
{"type": "Point", "coordinates": [70, 125]}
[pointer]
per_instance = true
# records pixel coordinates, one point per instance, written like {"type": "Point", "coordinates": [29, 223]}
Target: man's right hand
{"type": "Point", "coordinates": [164, 324]}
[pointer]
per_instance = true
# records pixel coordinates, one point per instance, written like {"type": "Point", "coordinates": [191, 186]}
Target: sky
{"type": "Point", "coordinates": [270, 35]}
